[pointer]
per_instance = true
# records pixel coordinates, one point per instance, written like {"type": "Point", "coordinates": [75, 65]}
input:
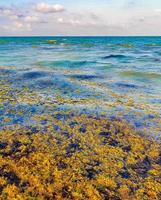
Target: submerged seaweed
{"type": "Point", "coordinates": [152, 75]}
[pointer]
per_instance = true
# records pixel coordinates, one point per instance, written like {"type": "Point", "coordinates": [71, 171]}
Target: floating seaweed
{"type": "Point", "coordinates": [50, 164]}
{"type": "Point", "coordinates": [51, 42]}
{"type": "Point", "coordinates": [69, 129]}
{"type": "Point", "coordinates": [127, 45]}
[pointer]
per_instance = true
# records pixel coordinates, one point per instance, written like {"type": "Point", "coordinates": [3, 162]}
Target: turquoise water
{"type": "Point", "coordinates": [119, 77]}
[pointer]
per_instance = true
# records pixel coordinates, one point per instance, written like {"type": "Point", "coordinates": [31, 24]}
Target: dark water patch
{"type": "Point", "coordinates": [113, 143]}
{"type": "Point", "coordinates": [32, 130]}
{"type": "Point", "coordinates": [60, 116]}
{"type": "Point", "coordinates": [7, 71]}
{"type": "Point", "coordinates": [126, 85]}
{"type": "Point", "coordinates": [149, 117]}
{"type": "Point", "coordinates": [72, 148]}
{"type": "Point", "coordinates": [44, 122]}
{"type": "Point", "coordinates": [42, 84]}
{"type": "Point", "coordinates": [34, 75]}
{"type": "Point", "coordinates": [84, 77]}
{"type": "Point", "coordinates": [63, 86]}
{"type": "Point", "coordinates": [156, 101]}
{"type": "Point", "coordinates": [133, 120]}
{"type": "Point", "coordinates": [126, 148]}
{"type": "Point", "coordinates": [124, 173]}
{"type": "Point", "coordinates": [83, 129]}
{"type": "Point", "coordinates": [11, 177]}
{"type": "Point", "coordinates": [105, 134]}
{"type": "Point", "coordinates": [54, 83]}
{"type": "Point", "coordinates": [91, 172]}
{"type": "Point", "coordinates": [119, 56]}
{"type": "Point", "coordinates": [138, 124]}
{"type": "Point", "coordinates": [3, 145]}
{"type": "Point", "coordinates": [18, 120]}
{"type": "Point", "coordinates": [157, 60]}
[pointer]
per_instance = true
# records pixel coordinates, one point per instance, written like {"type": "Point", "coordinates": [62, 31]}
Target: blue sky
{"type": "Point", "coordinates": [80, 17]}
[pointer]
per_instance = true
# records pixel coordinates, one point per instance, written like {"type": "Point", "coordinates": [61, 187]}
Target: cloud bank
{"type": "Point", "coordinates": [108, 18]}
{"type": "Point", "coordinates": [49, 8]}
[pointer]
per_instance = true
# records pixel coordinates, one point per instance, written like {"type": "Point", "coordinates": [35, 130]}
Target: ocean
{"type": "Point", "coordinates": [114, 77]}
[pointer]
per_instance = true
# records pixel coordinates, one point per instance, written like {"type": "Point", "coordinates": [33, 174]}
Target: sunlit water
{"type": "Point", "coordinates": [118, 77]}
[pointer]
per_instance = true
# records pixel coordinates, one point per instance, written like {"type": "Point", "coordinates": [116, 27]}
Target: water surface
{"type": "Point", "coordinates": [118, 77]}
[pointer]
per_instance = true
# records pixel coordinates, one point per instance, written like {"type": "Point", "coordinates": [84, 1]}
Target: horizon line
{"type": "Point", "coordinates": [80, 35]}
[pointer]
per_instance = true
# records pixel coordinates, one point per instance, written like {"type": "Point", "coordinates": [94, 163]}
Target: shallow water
{"type": "Point", "coordinates": [112, 76]}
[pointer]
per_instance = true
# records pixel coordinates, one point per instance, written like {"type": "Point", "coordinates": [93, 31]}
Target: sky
{"type": "Point", "coordinates": [80, 17]}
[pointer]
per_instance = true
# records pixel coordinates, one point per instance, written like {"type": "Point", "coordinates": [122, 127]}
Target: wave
{"type": "Point", "coordinates": [63, 63]}
{"type": "Point", "coordinates": [119, 56]}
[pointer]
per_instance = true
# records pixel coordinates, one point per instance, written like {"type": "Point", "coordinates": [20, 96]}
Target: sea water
{"type": "Point", "coordinates": [117, 77]}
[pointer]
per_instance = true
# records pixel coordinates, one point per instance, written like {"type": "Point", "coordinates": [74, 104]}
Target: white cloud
{"type": "Point", "coordinates": [69, 21]}
{"type": "Point", "coordinates": [49, 8]}
{"type": "Point", "coordinates": [60, 20]}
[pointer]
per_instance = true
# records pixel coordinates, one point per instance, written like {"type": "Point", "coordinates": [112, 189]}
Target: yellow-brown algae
{"type": "Point", "coordinates": [78, 158]}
